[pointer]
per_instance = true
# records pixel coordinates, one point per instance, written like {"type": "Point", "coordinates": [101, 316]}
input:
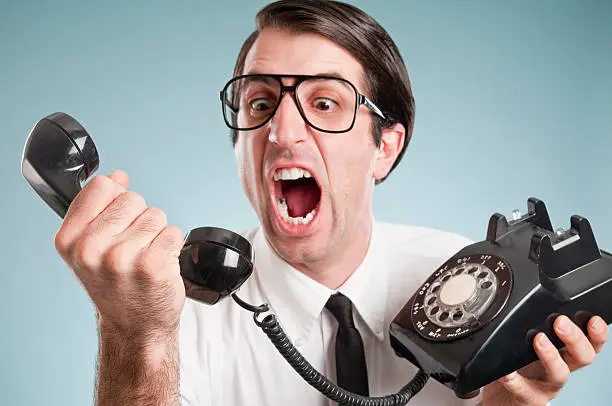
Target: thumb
{"type": "Point", "coordinates": [121, 178]}
{"type": "Point", "coordinates": [517, 385]}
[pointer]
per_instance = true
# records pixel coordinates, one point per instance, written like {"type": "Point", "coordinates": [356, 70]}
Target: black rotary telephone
{"type": "Point", "coordinates": [474, 319]}
{"type": "Point", "coordinates": [470, 323]}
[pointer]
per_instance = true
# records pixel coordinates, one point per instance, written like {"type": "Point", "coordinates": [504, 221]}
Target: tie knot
{"type": "Point", "coordinates": [341, 308]}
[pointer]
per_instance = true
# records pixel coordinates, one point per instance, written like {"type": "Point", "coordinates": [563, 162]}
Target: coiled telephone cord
{"type": "Point", "coordinates": [270, 325]}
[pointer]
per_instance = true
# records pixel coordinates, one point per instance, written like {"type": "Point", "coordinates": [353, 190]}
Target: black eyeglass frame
{"type": "Point", "coordinates": [359, 99]}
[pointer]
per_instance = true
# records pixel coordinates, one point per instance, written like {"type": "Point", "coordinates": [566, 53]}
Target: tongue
{"type": "Point", "coordinates": [301, 199]}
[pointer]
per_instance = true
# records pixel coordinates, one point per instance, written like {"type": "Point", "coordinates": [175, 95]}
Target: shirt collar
{"type": "Point", "coordinates": [367, 287]}
{"type": "Point", "coordinates": [298, 300]}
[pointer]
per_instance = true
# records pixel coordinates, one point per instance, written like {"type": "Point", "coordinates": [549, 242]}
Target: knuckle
{"type": "Point", "coordinates": [126, 203]}
{"type": "Point", "coordinates": [564, 374]}
{"type": "Point", "coordinates": [61, 242]}
{"type": "Point", "coordinates": [145, 265]}
{"type": "Point", "coordinates": [87, 252]}
{"type": "Point", "coordinates": [117, 259]}
{"type": "Point", "coordinates": [100, 182]}
{"type": "Point", "coordinates": [152, 220]}
{"type": "Point", "coordinates": [158, 214]}
{"type": "Point", "coordinates": [147, 272]}
{"type": "Point", "coordinates": [134, 199]}
{"type": "Point", "coordinates": [589, 356]}
{"type": "Point", "coordinates": [174, 234]}
{"type": "Point", "coordinates": [170, 240]}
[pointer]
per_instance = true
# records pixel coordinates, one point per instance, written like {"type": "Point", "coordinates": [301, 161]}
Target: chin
{"type": "Point", "coordinates": [297, 250]}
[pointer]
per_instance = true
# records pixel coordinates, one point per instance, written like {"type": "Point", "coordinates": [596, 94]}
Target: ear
{"type": "Point", "coordinates": [390, 147]}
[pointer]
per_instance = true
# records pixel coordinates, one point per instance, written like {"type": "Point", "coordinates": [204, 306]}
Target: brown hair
{"type": "Point", "coordinates": [385, 74]}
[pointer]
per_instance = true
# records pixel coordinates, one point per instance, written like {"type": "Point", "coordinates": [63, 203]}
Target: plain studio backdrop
{"type": "Point", "coordinates": [513, 100]}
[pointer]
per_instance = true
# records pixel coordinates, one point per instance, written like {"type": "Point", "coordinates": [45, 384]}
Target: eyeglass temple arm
{"type": "Point", "coordinates": [371, 106]}
{"type": "Point", "coordinates": [227, 103]}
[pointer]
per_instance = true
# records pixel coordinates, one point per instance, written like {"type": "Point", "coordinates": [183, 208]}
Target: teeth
{"type": "Point", "coordinates": [283, 210]}
{"type": "Point", "coordinates": [291, 174]}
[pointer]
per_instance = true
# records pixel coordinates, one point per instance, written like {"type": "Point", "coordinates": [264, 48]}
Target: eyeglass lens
{"type": "Point", "coordinates": [328, 104]}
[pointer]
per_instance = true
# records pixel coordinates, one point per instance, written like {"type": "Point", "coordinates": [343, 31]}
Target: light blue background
{"type": "Point", "coordinates": [513, 100]}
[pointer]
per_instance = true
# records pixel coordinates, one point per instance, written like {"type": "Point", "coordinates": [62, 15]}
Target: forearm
{"type": "Point", "coordinates": [132, 372]}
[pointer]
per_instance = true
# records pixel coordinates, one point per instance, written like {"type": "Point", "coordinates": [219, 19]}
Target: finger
{"type": "Point", "coordinates": [144, 228]}
{"type": "Point", "coordinates": [128, 246]}
{"type": "Point", "coordinates": [162, 251]}
{"type": "Point", "coordinates": [92, 250]}
{"type": "Point", "coordinates": [117, 216]}
{"type": "Point", "coordinates": [598, 332]}
{"type": "Point", "coordinates": [520, 387]}
{"type": "Point", "coordinates": [121, 178]}
{"type": "Point", "coordinates": [169, 240]}
{"type": "Point", "coordinates": [576, 343]}
{"type": "Point", "coordinates": [97, 194]}
{"type": "Point", "coordinates": [557, 372]}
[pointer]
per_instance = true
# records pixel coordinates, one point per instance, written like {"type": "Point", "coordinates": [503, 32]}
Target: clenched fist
{"type": "Point", "coordinates": [126, 257]}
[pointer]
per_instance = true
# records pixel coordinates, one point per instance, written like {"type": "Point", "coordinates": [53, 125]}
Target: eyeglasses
{"type": "Point", "coordinates": [326, 103]}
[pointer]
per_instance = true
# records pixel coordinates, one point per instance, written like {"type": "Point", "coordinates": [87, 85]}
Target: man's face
{"type": "Point", "coordinates": [310, 220]}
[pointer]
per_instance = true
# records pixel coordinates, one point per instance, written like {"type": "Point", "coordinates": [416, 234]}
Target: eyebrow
{"type": "Point", "coordinates": [332, 73]}
{"type": "Point", "coordinates": [360, 81]}
{"type": "Point", "coordinates": [327, 73]}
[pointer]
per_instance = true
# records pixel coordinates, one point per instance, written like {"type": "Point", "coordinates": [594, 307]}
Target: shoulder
{"type": "Point", "coordinates": [419, 241]}
{"type": "Point", "coordinates": [411, 254]}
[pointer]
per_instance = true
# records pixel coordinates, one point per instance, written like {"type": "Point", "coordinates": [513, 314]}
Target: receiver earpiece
{"type": "Point", "coordinates": [58, 156]}
{"type": "Point", "coordinates": [214, 263]}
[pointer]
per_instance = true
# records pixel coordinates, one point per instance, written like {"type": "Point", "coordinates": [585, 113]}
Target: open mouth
{"type": "Point", "coordinates": [296, 194]}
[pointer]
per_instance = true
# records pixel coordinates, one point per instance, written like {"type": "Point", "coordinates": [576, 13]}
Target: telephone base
{"type": "Point", "coordinates": [474, 319]}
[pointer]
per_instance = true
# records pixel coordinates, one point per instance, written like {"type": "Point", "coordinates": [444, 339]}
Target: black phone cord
{"type": "Point", "coordinates": [270, 325]}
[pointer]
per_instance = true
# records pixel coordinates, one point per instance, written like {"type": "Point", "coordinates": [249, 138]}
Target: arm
{"type": "Point", "coordinates": [137, 374]}
{"type": "Point", "coordinates": [126, 257]}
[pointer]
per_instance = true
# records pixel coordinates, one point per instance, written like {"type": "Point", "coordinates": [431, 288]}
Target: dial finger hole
{"type": "Point", "coordinates": [435, 289]}
{"type": "Point", "coordinates": [433, 311]}
{"type": "Point", "coordinates": [482, 275]}
{"type": "Point", "coordinates": [431, 301]}
{"type": "Point", "coordinates": [443, 316]}
{"type": "Point", "coordinates": [486, 284]}
{"type": "Point", "coordinates": [457, 315]}
{"type": "Point", "coordinates": [459, 271]}
{"type": "Point", "coordinates": [472, 270]}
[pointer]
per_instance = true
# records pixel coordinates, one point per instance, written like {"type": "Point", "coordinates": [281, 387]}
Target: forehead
{"type": "Point", "coordinates": [283, 52]}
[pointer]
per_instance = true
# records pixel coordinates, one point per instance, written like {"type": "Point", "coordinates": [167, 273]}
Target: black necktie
{"type": "Point", "coordinates": [351, 370]}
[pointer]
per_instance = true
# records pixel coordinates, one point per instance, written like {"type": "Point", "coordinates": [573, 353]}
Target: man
{"type": "Point", "coordinates": [321, 111]}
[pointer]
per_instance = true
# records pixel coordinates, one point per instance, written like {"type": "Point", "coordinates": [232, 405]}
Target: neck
{"type": "Point", "coordinates": [333, 270]}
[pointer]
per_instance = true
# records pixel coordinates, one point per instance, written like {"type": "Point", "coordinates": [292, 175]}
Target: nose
{"type": "Point", "coordinates": [287, 126]}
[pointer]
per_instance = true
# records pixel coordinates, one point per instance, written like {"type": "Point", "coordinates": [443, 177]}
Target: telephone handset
{"type": "Point", "coordinates": [59, 156]}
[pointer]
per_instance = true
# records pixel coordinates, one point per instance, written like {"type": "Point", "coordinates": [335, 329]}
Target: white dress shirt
{"type": "Point", "coordinates": [228, 360]}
